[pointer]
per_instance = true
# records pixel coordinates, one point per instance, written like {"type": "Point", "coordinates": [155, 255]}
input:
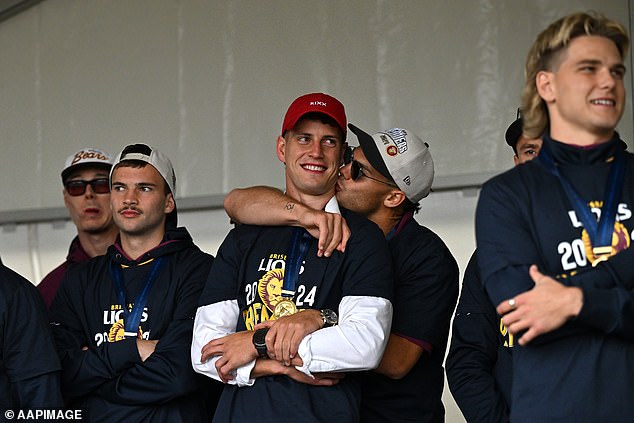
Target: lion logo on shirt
{"type": "Point", "coordinates": [270, 287]}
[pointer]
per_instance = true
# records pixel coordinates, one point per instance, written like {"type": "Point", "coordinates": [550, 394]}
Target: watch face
{"type": "Point", "coordinates": [259, 337]}
{"type": "Point", "coordinates": [330, 317]}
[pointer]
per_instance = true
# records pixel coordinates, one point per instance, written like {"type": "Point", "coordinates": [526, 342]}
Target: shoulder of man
{"type": "Point", "coordinates": [178, 241]}
{"type": "Point", "coordinates": [76, 252]}
{"type": "Point", "coordinates": [244, 237]}
{"type": "Point", "coordinates": [513, 188]}
{"type": "Point", "coordinates": [506, 178]}
{"type": "Point", "coordinates": [473, 297]}
{"type": "Point", "coordinates": [82, 275]}
{"type": "Point", "coordinates": [10, 283]}
{"type": "Point", "coordinates": [357, 222]}
{"type": "Point", "coordinates": [51, 282]}
{"type": "Point", "coordinates": [421, 239]}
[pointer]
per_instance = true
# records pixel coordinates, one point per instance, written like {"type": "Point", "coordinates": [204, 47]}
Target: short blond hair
{"type": "Point", "coordinates": [546, 51]}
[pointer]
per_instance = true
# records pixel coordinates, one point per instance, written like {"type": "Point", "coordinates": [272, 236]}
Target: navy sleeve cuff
{"type": "Point", "coordinates": [122, 354]}
{"type": "Point", "coordinates": [609, 310]}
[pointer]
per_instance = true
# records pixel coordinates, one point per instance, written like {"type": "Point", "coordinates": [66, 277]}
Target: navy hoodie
{"type": "Point", "coordinates": [109, 380]}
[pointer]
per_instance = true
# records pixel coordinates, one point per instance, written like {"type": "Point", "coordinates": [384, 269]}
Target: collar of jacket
{"type": "Point", "coordinates": [175, 239]}
{"type": "Point", "coordinates": [565, 154]}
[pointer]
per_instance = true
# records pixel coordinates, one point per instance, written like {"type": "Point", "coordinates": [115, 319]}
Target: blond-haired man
{"type": "Point", "coordinates": [541, 227]}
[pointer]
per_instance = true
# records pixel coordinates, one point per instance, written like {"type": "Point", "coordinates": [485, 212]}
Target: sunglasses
{"type": "Point", "coordinates": [356, 170]}
{"type": "Point", "coordinates": [78, 187]}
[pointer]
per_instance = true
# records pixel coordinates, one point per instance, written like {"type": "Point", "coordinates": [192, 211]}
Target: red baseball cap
{"type": "Point", "coordinates": [319, 103]}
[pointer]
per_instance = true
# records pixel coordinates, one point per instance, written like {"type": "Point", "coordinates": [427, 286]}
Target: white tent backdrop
{"type": "Point", "coordinates": [208, 82]}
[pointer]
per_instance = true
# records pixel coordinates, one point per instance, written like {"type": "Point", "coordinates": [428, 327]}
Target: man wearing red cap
{"type": "Point", "coordinates": [384, 179]}
{"type": "Point", "coordinates": [265, 274]}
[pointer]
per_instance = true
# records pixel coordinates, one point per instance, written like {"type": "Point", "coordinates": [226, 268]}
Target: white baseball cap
{"type": "Point", "coordinates": [400, 155]}
{"type": "Point", "coordinates": [158, 160]}
{"type": "Point", "coordinates": [86, 157]}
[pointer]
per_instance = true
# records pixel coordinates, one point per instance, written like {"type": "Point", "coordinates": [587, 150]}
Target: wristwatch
{"type": "Point", "coordinates": [259, 342]}
{"type": "Point", "coordinates": [329, 317]}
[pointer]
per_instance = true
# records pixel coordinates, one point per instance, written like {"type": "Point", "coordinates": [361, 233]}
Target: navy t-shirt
{"type": "Point", "coordinates": [425, 294]}
{"type": "Point", "coordinates": [249, 268]}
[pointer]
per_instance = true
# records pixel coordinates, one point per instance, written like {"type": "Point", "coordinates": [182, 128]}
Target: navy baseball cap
{"type": "Point", "coordinates": [514, 131]}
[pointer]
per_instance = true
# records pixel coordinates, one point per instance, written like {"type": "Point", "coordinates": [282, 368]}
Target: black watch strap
{"type": "Point", "coordinates": [259, 342]}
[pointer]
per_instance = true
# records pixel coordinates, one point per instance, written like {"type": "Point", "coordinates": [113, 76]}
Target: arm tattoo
{"type": "Point", "coordinates": [289, 206]}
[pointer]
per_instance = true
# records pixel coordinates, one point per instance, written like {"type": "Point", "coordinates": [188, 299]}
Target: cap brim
{"type": "Point", "coordinates": [67, 172]}
{"type": "Point", "coordinates": [293, 122]}
{"type": "Point", "coordinates": [513, 133]}
{"type": "Point", "coordinates": [370, 150]}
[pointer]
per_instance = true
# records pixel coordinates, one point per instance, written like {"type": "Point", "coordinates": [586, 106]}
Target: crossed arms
{"type": "Point", "coordinates": [598, 298]}
{"type": "Point", "coordinates": [130, 371]}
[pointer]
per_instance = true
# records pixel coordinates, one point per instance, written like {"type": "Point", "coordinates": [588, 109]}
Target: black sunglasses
{"type": "Point", "coordinates": [78, 187]}
{"type": "Point", "coordinates": [356, 170]}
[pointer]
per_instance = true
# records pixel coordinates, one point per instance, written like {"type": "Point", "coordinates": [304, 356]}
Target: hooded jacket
{"type": "Point", "coordinates": [102, 371]}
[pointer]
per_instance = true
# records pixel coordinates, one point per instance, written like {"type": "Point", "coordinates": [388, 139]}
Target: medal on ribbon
{"type": "Point", "coordinates": [284, 308]}
{"type": "Point", "coordinates": [299, 247]}
{"type": "Point", "coordinates": [597, 235]}
{"type": "Point", "coordinates": [132, 317]}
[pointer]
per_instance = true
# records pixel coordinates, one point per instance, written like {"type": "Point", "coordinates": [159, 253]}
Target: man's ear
{"type": "Point", "coordinates": [280, 149]}
{"type": "Point", "coordinates": [394, 198]}
{"type": "Point", "coordinates": [544, 81]}
{"type": "Point", "coordinates": [170, 204]}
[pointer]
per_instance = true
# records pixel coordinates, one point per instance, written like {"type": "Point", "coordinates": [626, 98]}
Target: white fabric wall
{"type": "Point", "coordinates": [208, 81]}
